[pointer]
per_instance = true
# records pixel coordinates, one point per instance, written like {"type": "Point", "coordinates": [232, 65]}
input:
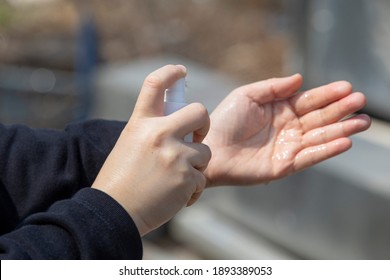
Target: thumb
{"type": "Point", "coordinates": [273, 89]}
{"type": "Point", "coordinates": [151, 98]}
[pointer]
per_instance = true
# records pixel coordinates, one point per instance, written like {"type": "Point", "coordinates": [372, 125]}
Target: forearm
{"type": "Point", "coordinates": [40, 166]}
{"type": "Point", "coordinates": [91, 225]}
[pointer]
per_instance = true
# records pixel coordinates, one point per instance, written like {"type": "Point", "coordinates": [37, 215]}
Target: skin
{"type": "Point", "coordinates": [275, 131]}
{"type": "Point", "coordinates": [151, 171]}
{"type": "Point", "coordinates": [260, 132]}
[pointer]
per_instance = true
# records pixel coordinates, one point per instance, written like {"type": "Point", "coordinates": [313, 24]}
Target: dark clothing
{"type": "Point", "coordinates": [47, 209]}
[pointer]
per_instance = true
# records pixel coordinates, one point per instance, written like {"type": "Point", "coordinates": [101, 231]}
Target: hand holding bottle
{"type": "Point", "coordinates": [152, 172]}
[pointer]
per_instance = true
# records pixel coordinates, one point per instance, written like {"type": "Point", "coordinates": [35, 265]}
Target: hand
{"type": "Point", "coordinates": [151, 171]}
{"type": "Point", "coordinates": [266, 130]}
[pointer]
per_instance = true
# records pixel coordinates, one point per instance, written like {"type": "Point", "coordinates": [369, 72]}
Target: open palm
{"type": "Point", "coordinates": [267, 130]}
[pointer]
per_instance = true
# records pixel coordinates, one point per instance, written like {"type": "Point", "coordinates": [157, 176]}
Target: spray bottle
{"type": "Point", "coordinates": [174, 100]}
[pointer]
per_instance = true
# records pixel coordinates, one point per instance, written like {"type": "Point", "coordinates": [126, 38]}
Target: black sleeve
{"type": "Point", "coordinates": [90, 225]}
{"type": "Point", "coordinates": [41, 174]}
{"type": "Point", "coordinates": [40, 166]}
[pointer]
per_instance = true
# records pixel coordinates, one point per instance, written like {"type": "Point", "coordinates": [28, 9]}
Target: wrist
{"type": "Point", "coordinates": [142, 227]}
{"type": "Point", "coordinates": [131, 210]}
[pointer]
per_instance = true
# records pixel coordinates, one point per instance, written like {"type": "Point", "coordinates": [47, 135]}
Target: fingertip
{"type": "Point", "coordinates": [339, 146]}
{"type": "Point", "coordinates": [182, 68]}
{"type": "Point", "coordinates": [295, 79]}
{"type": "Point", "coordinates": [357, 100]}
{"type": "Point", "coordinates": [193, 118]}
{"type": "Point", "coordinates": [295, 82]}
{"type": "Point", "coordinates": [363, 121]}
{"type": "Point", "coordinates": [151, 98]}
{"type": "Point", "coordinates": [362, 98]}
{"type": "Point", "coordinates": [194, 198]}
{"type": "Point", "coordinates": [342, 87]}
{"type": "Point", "coordinates": [297, 76]}
{"type": "Point", "coordinates": [367, 119]}
{"type": "Point", "coordinates": [163, 77]}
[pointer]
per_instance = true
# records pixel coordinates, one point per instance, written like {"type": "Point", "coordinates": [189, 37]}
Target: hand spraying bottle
{"type": "Point", "coordinates": [174, 100]}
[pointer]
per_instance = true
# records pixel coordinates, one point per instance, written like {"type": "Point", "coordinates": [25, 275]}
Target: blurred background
{"type": "Point", "coordinates": [69, 60]}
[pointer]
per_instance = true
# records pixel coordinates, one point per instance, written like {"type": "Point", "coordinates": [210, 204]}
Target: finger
{"type": "Point", "coordinates": [194, 198]}
{"type": "Point", "coordinates": [199, 155]}
{"type": "Point", "coordinates": [319, 97]}
{"type": "Point", "coordinates": [333, 112]}
{"type": "Point", "coordinates": [200, 181]}
{"type": "Point", "coordinates": [193, 118]}
{"type": "Point", "coordinates": [313, 155]}
{"type": "Point", "coordinates": [271, 89]}
{"type": "Point", "coordinates": [151, 98]}
{"type": "Point", "coordinates": [337, 130]}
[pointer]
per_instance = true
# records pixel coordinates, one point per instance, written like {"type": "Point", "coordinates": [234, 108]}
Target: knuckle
{"type": "Point", "coordinates": [151, 132]}
{"type": "Point", "coordinates": [271, 84]}
{"type": "Point", "coordinates": [200, 182]}
{"type": "Point", "coordinates": [183, 175]}
{"type": "Point", "coordinates": [153, 81]}
{"type": "Point", "coordinates": [158, 139]}
{"type": "Point", "coordinates": [159, 78]}
{"type": "Point", "coordinates": [207, 152]}
{"type": "Point", "coordinates": [201, 112]}
{"type": "Point", "coordinates": [200, 109]}
{"type": "Point", "coordinates": [169, 158]}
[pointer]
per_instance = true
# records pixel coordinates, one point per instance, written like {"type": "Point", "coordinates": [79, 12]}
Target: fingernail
{"type": "Point", "coordinates": [343, 86]}
{"type": "Point", "coordinates": [182, 67]}
{"type": "Point", "coordinates": [296, 74]}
